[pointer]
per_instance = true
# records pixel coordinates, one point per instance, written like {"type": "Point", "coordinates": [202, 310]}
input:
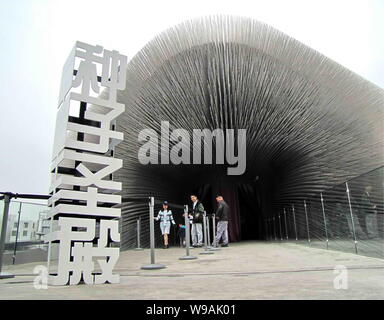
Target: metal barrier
{"type": "Point", "coordinates": [214, 232]}
{"type": "Point", "coordinates": [21, 244]}
{"type": "Point", "coordinates": [187, 236]}
{"type": "Point", "coordinates": [152, 265]}
{"type": "Point", "coordinates": [138, 234]}
{"type": "Point", "coordinates": [348, 217]}
{"type": "Point", "coordinates": [206, 251]}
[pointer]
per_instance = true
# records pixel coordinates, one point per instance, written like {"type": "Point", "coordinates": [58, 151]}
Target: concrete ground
{"type": "Point", "coordinates": [246, 270]}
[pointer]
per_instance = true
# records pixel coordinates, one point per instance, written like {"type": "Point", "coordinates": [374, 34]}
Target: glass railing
{"type": "Point", "coordinates": [349, 217]}
{"type": "Point", "coordinates": [27, 224]}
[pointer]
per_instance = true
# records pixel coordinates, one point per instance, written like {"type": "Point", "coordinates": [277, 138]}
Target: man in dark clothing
{"type": "Point", "coordinates": [222, 215]}
{"type": "Point", "coordinates": [197, 216]}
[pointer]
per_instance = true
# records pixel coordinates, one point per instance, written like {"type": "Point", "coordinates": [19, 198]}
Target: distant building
{"type": "Point", "coordinates": [43, 225]}
{"type": "Point", "coordinates": [27, 230]}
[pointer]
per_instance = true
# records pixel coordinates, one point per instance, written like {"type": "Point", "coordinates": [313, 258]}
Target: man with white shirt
{"type": "Point", "coordinates": [197, 221]}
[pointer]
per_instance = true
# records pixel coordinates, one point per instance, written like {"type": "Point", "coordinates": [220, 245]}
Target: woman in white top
{"type": "Point", "coordinates": [166, 218]}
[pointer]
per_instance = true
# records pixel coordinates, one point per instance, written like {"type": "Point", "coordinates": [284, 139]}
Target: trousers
{"type": "Point", "coordinates": [197, 234]}
{"type": "Point", "coordinates": [222, 232]}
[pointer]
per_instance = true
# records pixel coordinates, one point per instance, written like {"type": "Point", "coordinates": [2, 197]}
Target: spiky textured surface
{"type": "Point", "coordinates": [311, 123]}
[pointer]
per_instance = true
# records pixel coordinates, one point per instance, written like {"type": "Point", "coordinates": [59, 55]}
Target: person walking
{"type": "Point", "coordinates": [222, 215]}
{"type": "Point", "coordinates": [197, 221]}
{"type": "Point", "coordinates": [166, 218]}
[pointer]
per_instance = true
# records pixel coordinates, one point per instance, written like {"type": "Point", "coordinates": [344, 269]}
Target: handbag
{"type": "Point", "coordinates": [198, 217]}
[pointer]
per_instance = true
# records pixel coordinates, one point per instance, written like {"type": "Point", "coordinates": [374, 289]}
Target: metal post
{"type": "Point", "coordinates": [208, 233]}
{"type": "Point", "coordinates": [17, 235]}
{"type": "Point", "coordinates": [274, 227]}
{"type": "Point", "coordinates": [49, 247]}
{"type": "Point", "coordinates": [294, 220]}
{"type": "Point", "coordinates": [187, 236]}
{"type": "Point", "coordinates": [306, 219]}
{"type": "Point", "coordinates": [286, 226]}
{"type": "Point", "coordinates": [138, 234]}
{"type": "Point", "coordinates": [153, 265]}
{"type": "Point", "coordinates": [152, 229]}
{"type": "Point", "coordinates": [205, 230]}
{"type": "Point", "coordinates": [214, 233]}
{"type": "Point", "coordinates": [7, 200]}
{"type": "Point", "coordinates": [206, 251]}
{"type": "Point", "coordinates": [211, 248]}
{"type": "Point", "coordinates": [353, 223]}
{"type": "Point", "coordinates": [281, 232]}
{"type": "Point", "coordinates": [325, 221]}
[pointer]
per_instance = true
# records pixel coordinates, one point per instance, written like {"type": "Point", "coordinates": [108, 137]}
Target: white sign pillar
{"type": "Point", "coordinates": [82, 187]}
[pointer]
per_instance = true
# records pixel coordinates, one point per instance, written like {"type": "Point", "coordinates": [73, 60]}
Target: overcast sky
{"type": "Point", "coordinates": [36, 37]}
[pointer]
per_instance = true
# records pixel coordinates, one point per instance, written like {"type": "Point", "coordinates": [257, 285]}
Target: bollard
{"type": "Point", "coordinates": [306, 219]}
{"type": "Point", "coordinates": [325, 221]}
{"type": "Point", "coordinates": [187, 236]}
{"type": "Point", "coordinates": [206, 251]}
{"type": "Point", "coordinates": [209, 237]}
{"type": "Point", "coordinates": [208, 233]}
{"type": "Point", "coordinates": [152, 265]}
{"type": "Point", "coordinates": [7, 200]}
{"type": "Point", "coordinates": [294, 221]}
{"type": "Point", "coordinates": [351, 212]}
{"type": "Point", "coordinates": [214, 232]}
{"type": "Point", "coordinates": [138, 229]}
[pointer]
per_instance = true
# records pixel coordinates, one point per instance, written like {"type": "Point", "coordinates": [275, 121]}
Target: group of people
{"type": "Point", "coordinates": [195, 218]}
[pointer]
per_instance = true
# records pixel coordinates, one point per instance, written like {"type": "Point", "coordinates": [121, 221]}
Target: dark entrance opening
{"type": "Point", "coordinates": [250, 212]}
{"type": "Point", "coordinates": [250, 197]}
{"type": "Point", "coordinates": [245, 201]}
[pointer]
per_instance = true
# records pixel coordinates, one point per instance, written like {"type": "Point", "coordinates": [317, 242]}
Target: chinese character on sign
{"type": "Point", "coordinates": [113, 67]}
{"type": "Point", "coordinates": [82, 188]}
{"type": "Point", "coordinates": [77, 253]}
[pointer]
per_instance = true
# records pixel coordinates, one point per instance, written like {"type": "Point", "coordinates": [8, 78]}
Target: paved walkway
{"type": "Point", "coordinates": [246, 270]}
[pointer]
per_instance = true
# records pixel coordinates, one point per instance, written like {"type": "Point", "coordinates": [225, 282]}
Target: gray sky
{"type": "Point", "coordinates": [37, 35]}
